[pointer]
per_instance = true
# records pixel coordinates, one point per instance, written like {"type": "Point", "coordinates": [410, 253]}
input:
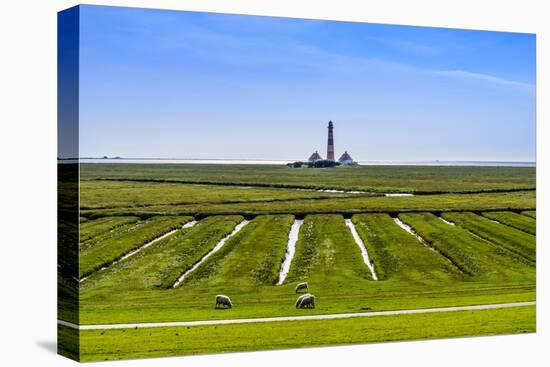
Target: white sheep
{"type": "Point", "coordinates": [301, 286]}
{"type": "Point", "coordinates": [222, 300]}
{"type": "Point", "coordinates": [306, 301]}
{"type": "Point", "coordinates": [299, 300]}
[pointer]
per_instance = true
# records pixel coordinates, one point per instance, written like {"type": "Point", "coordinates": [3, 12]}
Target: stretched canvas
{"type": "Point", "coordinates": [237, 183]}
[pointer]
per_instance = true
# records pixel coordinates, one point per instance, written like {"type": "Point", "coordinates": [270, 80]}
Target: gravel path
{"type": "Point", "coordinates": [295, 318]}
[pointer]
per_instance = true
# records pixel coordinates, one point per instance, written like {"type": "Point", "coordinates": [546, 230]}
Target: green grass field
{"type": "Point", "coordinates": [518, 221]}
{"type": "Point", "coordinates": [170, 341]}
{"type": "Point", "coordinates": [465, 256]}
{"type": "Point", "coordinates": [326, 255]}
{"type": "Point", "coordinates": [250, 259]}
{"type": "Point", "coordinates": [398, 255]}
{"type": "Point", "coordinates": [105, 226]}
{"type": "Point", "coordinates": [506, 237]}
{"type": "Point", "coordinates": [353, 204]}
{"type": "Point", "coordinates": [369, 178]}
{"type": "Point", "coordinates": [105, 252]}
{"type": "Point", "coordinates": [472, 255]}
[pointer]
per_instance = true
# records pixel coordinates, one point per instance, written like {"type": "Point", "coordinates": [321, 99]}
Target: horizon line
{"type": "Point", "coordinates": [294, 160]}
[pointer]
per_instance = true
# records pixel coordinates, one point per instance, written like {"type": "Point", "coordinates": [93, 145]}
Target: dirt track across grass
{"type": "Point", "coordinates": [295, 318]}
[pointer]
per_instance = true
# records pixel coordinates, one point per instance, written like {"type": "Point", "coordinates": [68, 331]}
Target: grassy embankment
{"type": "Point", "coordinates": [326, 255]}
{"type": "Point", "coordinates": [250, 259]}
{"type": "Point", "coordinates": [397, 254]}
{"type": "Point", "coordinates": [513, 240]}
{"type": "Point", "coordinates": [471, 254]}
{"type": "Point", "coordinates": [103, 228]}
{"type": "Point", "coordinates": [159, 266]}
{"type": "Point", "coordinates": [517, 221]}
{"type": "Point", "coordinates": [104, 253]}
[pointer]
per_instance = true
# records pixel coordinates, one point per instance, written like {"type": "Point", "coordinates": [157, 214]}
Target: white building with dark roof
{"type": "Point", "coordinates": [346, 159]}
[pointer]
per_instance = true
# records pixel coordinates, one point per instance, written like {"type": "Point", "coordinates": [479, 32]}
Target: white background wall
{"type": "Point", "coordinates": [28, 182]}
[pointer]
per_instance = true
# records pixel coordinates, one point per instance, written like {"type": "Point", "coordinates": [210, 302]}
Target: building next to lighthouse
{"type": "Point", "coordinates": [315, 157]}
{"type": "Point", "coordinates": [346, 159]}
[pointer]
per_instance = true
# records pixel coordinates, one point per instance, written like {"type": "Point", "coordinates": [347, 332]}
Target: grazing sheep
{"type": "Point", "coordinates": [306, 301]}
{"type": "Point", "coordinates": [299, 300]}
{"type": "Point", "coordinates": [222, 300]}
{"type": "Point", "coordinates": [301, 286]}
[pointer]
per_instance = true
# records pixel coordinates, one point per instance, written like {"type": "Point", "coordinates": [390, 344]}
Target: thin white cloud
{"type": "Point", "coordinates": [463, 74]}
{"type": "Point", "coordinates": [349, 63]}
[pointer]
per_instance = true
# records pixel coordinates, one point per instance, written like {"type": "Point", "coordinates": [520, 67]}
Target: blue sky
{"type": "Point", "coordinates": [157, 83]}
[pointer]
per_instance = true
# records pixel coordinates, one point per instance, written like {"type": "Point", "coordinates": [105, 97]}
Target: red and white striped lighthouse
{"type": "Point", "coordinates": [330, 143]}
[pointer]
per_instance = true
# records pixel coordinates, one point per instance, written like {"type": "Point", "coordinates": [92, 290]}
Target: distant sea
{"type": "Point", "coordinates": [278, 162]}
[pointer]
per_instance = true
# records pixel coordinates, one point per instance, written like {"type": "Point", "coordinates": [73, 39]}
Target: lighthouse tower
{"type": "Point", "coordinates": [330, 143]}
